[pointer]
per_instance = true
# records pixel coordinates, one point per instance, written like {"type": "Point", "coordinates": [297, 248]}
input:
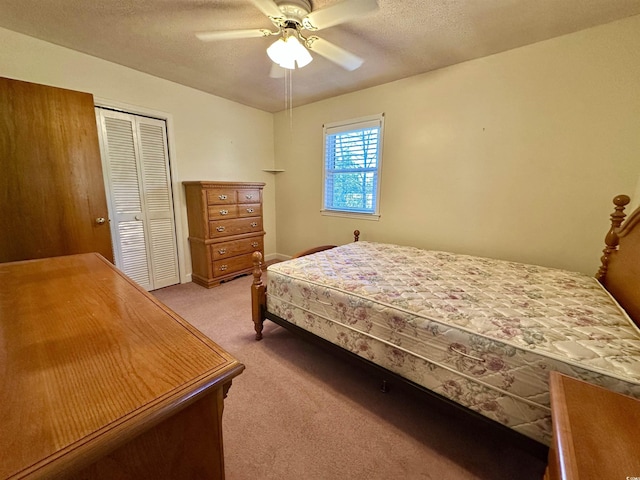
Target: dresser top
{"type": "Point", "coordinates": [213, 184]}
{"type": "Point", "coordinates": [88, 360]}
{"type": "Point", "coordinates": [595, 430]}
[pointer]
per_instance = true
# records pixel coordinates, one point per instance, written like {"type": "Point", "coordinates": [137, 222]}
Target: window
{"type": "Point", "coordinates": [352, 160]}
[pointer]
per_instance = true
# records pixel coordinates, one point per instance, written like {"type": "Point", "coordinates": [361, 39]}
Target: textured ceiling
{"type": "Point", "coordinates": [402, 38]}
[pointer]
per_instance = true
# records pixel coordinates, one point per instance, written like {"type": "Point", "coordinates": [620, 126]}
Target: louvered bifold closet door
{"type": "Point", "coordinates": [158, 201]}
{"type": "Point", "coordinates": [140, 200]}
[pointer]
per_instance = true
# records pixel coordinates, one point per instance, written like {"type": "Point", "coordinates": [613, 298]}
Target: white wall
{"type": "Point", "coordinates": [210, 136]}
{"type": "Point", "coordinates": [635, 200]}
{"type": "Point", "coordinates": [513, 156]}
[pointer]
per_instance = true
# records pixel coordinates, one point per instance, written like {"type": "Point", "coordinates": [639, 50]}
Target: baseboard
{"type": "Point", "coordinates": [276, 256]}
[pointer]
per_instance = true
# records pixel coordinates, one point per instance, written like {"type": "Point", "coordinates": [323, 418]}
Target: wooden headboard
{"type": "Point", "coordinates": [620, 269]}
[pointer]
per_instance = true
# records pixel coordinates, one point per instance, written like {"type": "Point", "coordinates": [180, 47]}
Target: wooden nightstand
{"type": "Point", "coordinates": [596, 432]}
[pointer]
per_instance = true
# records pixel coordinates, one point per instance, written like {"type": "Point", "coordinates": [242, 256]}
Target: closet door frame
{"type": "Point", "coordinates": [178, 194]}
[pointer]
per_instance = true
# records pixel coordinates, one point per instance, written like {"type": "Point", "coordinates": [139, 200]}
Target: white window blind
{"type": "Point", "coordinates": [352, 157]}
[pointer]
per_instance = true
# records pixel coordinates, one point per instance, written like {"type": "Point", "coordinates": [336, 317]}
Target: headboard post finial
{"type": "Point", "coordinates": [356, 235]}
{"type": "Point", "coordinates": [611, 240]}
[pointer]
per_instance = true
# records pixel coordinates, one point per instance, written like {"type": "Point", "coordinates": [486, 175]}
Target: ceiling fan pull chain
{"type": "Point", "coordinates": [291, 101]}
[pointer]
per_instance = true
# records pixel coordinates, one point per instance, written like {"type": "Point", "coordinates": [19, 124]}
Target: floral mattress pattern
{"type": "Point", "coordinates": [481, 332]}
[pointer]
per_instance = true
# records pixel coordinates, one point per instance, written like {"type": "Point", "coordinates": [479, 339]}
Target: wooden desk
{"type": "Point", "coordinates": [596, 432]}
{"type": "Point", "coordinates": [100, 380]}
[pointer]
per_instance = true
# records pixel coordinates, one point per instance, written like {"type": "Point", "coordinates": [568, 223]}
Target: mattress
{"type": "Point", "coordinates": [482, 332]}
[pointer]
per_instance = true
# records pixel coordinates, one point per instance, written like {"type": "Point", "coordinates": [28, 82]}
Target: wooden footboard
{"type": "Point", "coordinates": [259, 289]}
{"type": "Point", "coordinates": [258, 295]}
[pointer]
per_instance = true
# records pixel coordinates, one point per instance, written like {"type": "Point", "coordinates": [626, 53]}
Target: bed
{"type": "Point", "coordinates": [479, 332]}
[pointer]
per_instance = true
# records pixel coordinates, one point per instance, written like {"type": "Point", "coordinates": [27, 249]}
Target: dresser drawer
{"type": "Point", "coordinates": [234, 226]}
{"type": "Point", "coordinates": [249, 196]}
{"type": "Point", "coordinates": [220, 251]}
{"type": "Point", "coordinates": [231, 265]}
{"type": "Point", "coordinates": [250, 210]}
{"type": "Point", "coordinates": [222, 211]}
{"type": "Point", "coordinates": [221, 196]}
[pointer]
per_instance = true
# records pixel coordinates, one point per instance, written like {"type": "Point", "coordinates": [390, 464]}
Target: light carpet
{"type": "Point", "coordinates": [297, 412]}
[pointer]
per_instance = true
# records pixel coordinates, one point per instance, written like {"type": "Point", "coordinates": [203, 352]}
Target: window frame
{"type": "Point", "coordinates": [352, 125]}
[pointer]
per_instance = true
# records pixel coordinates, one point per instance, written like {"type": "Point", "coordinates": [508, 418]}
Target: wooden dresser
{"type": "Point", "coordinates": [225, 228]}
{"type": "Point", "coordinates": [102, 381]}
{"type": "Point", "coordinates": [595, 432]}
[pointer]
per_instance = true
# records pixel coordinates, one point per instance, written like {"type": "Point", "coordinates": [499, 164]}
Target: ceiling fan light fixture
{"type": "Point", "coordinates": [288, 51]}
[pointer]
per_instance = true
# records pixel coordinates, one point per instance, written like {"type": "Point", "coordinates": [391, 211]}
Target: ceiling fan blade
{"type": "Point", "coordinates": [328, 50]}
{"type": "Point", "coordinates": [268, 7]}
{"type": "Point", "coordinates": [232, 34]}
{"type": "Point", "coordinates": [338, 13]}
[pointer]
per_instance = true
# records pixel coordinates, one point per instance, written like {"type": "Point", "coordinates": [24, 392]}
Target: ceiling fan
{"type": "Point", "coordinates": [292, 18]}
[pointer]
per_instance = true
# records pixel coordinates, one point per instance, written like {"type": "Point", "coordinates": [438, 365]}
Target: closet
{"type": "Point", "coordinates": [138, 182]}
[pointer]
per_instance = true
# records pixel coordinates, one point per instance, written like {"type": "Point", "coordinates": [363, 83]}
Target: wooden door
{"type": "Point", "coordinates": [52, 197]}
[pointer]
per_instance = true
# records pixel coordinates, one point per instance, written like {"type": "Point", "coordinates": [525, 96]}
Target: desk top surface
{"type": "Point", "coordinates": [87, 359]}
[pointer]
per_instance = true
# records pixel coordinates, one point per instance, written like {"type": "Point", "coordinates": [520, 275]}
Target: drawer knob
{"type": "Point", "coordinates": [224, 212]}
{"type": "Point", "coordinates": [249, 196]}
{"type": "Point", "coordinates": [222, 251]}
{"type": "Point", "coordinates": [254, 224]}
{"type": "Point", "coordinates": [249, 210]}
{"type": "Point", "coordinates": [222, 197]}
{"type": "Point", "coordinates": [223, 268]}
{"type": "Point", "coordinates": [255, 244]}
{"type": "Point", "coordinates": [220, 229]}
